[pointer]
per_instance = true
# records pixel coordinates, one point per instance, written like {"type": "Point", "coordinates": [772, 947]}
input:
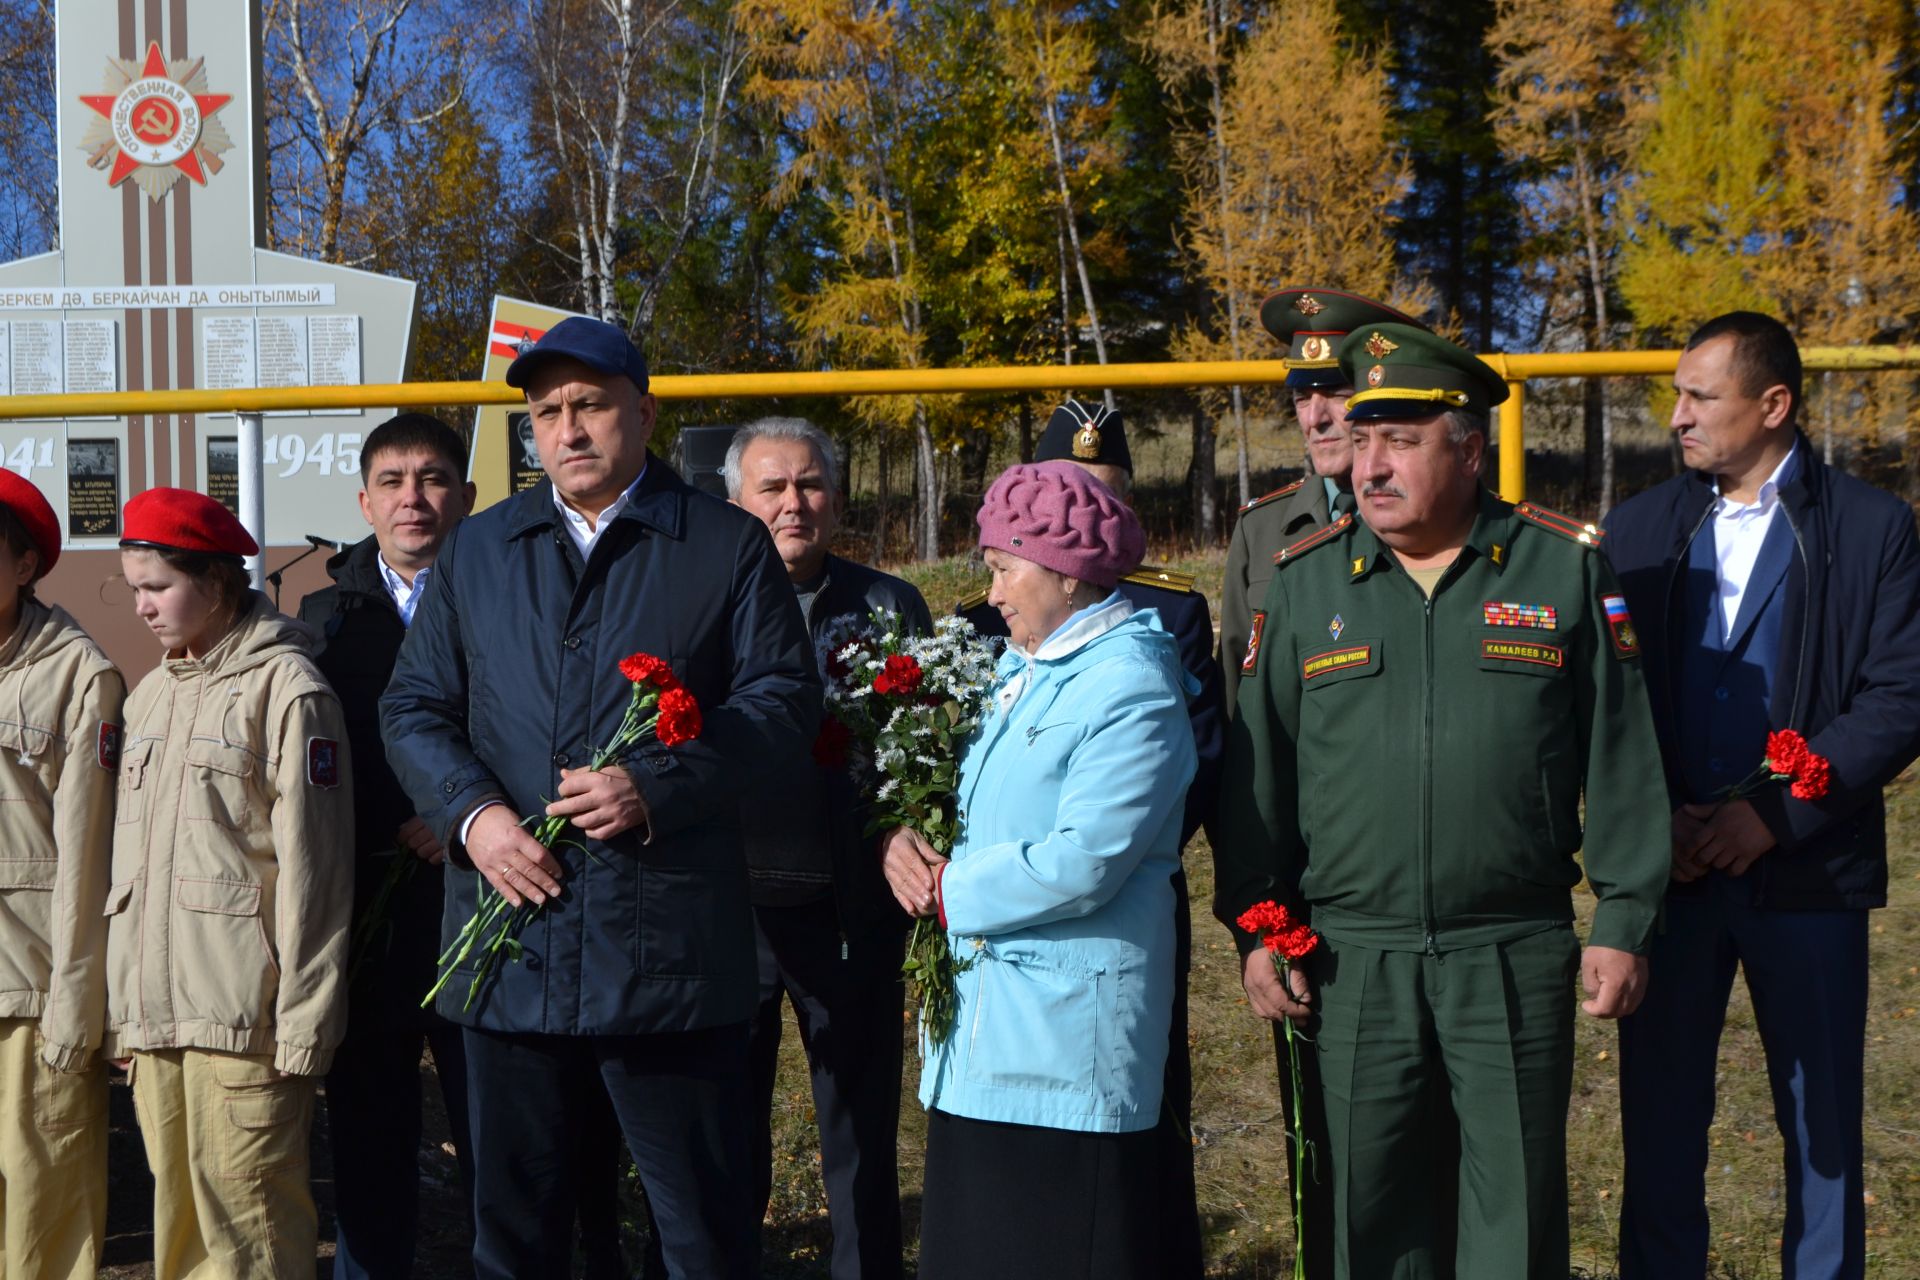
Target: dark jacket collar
{"type": "Point", "coordinates": [1803, 489]}
{"type": "Point", "coordinates": [357, 569]}
{"type": "Point", "coordinates": [659, 502]}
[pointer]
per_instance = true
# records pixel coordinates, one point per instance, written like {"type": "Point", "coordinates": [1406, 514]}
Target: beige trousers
{"type": "Point", "coordinates": [53, 1161]}
{"type": "Point", "coordinates": [226, 1137]}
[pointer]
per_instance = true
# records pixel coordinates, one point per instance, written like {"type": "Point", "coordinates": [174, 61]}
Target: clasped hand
{"type": "Point", "coordinates": [909, 863]}
{"type": "Point", "coordinates": [602, 803]}
{"type": "Point", "coordinates": [1727, 837]}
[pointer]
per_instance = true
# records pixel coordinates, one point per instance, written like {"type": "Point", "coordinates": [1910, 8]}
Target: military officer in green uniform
{"type": "Point", "coordinates": [1432, 687]}
{"type": "Point", "coordinates": [1311, 322]}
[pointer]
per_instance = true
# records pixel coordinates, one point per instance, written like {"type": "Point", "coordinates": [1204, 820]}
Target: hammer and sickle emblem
{"type": "Point", "coordinates": [154, 122]}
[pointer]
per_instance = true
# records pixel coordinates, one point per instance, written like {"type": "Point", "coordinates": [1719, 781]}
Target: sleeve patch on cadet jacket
{"type": "Point", "coordinates": [1321, 664]}
{"type": "Point", "coordinates": [1626, 641]}
{"type": "Point", "coordinates": [1529, 651]}
{"type": "Point", "coordinates": [323, 762]}
{"type": "Point", "coordinates": [1252, 657]}
{"type": "Point", "coordinates": [106, 747]}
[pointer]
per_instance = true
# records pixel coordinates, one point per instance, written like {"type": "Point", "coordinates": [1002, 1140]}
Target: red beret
{"type": "Point", "coordinates": [30, 507]}
{"type": "Point", "coordinates": [182, 520]}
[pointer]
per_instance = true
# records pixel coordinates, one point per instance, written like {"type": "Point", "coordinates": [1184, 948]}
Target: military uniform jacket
{"type": "Point", "coordinates": [1265, 526]}
{"type": "Point", "coordinates": [1411, 769]}
{"type": "Point", "coordinates": [59, 750]}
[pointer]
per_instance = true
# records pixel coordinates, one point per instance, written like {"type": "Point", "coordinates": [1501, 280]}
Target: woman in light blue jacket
{"type": "Point", "coordinates": [1042, 1101]}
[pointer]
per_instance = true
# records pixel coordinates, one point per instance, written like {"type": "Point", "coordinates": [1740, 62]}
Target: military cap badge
{"type": "Point", "coordinates": [1308, 305]}
{"type": "Point", "coordinates": [1375, 374]}
{"type": "Point", "coordinates": [1316, 348]}
{"type": "Point", "coordinates": [1379, 346]}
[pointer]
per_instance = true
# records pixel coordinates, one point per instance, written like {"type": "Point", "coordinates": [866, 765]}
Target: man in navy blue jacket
{"type": "Point", "coordinates": [635, 978]}
{"type": "Point", "coordinates": [1769, 592]}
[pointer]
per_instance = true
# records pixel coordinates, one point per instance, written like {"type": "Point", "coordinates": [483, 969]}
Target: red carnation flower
{"type": "Point", "coordinates": [1812, 776]}
{"type": "Point", "coordinates": [1296, 942]}
{"type": "Point", "coordinates": [832, 743]}
{"type": "Point", "coordinates": [1265, 918]}
{"type": "Point", "coordinates": [902, 674]}
{"type": "Point", "coordinates": [679, 719]}
{"type": "Point", "coordinates": [644, 668]}
{"type": "Point", "coordinates": [1785, 751]}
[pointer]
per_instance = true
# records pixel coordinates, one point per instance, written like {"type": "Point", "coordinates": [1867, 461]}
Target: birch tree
{"type": "Point", "coordinates": [1046, 46]}
{"type": "Point", "coordinates": [627, 107]}
{"type": "Point", "coordinates": [1570, 84]}
{"type": "Point", "coordinates": [344, 76]}
{"type": "Point", "coordinates": [1291, 171]}
{"type": "Point", "coordinates": [841, 75]}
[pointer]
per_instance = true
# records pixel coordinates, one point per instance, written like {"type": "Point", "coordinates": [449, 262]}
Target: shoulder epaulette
{"type": "Point", "coordinates": [1324, 534]}
{"type": "Point", "coordinates": [1587, 535]}
{"type": "Point", "coordinates": [973, 601]}
{"type": "Point", "coordinates": [1277, 493]}
{"type": "Point", "coordinates": [1148, 575]}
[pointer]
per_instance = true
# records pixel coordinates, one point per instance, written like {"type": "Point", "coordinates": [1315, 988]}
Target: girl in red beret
{"type": "Point", "coordinates": [59, 742]}
{"type": "Point", "coordinates": [232, 890]}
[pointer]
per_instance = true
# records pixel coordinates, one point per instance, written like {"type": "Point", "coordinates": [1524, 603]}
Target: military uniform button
{"type": "Point", "coordinates": [560, 759]}
{"type": "Point", "coordinates": [573, 642]}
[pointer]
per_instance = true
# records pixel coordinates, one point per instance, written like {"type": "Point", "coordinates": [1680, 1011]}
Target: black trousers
{"type": "Point", "coordinates": [373, 1122]}
{"type": "Point", "coordinates": [1181, 1256]}
{"type": "Point", "coordinates": [1020, 1202]}
{"type": "Point", "coordinates": [681, 1100]}
{"type": "Point", "coordinates": [848, 1008]}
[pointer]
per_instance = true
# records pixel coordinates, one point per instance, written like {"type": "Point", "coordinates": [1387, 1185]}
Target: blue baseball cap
{"type": "Point", "coordinates": [594, 343]}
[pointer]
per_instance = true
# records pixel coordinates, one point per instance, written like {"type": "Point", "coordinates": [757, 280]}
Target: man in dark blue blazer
{"type": "Point", "coordinates": [1095, 437]}
{"type": "Point", "coordinates": [634, 980]}
{"type": "Point", "coordinates": [1769, 592]}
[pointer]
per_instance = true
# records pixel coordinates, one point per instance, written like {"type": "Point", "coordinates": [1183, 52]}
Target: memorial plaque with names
{"type": "Point", "coordinates": [523, 456]}
{"type": "Point", "coordinates": [93, 488]}
{"type": "Point", "coordinates": [6, 358]}
{"type": "Point", "coordinates": [92, 357]}
{"type": "Point", "coordinates": [223, 471]}
{"type": "Point", "coordinates": [333, 355]}
{"type": "Point", "coordinates": [282, 350]}
{"type": "Point", "coordinates": [36, 358]}
{"type": "Point", "coordinates": [227, 352]}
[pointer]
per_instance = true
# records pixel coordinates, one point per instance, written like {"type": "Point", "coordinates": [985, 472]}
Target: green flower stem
{"type": "Point", "coordinates": [493, 920]}
{"type": "Point", "coordinates": [1299, 1150]}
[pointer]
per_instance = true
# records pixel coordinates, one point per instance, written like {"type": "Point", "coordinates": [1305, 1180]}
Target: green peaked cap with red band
{"type": "Point", "coordinates": [1313, 321]}
{"type": "Point", "coordinates": [1399, 371]}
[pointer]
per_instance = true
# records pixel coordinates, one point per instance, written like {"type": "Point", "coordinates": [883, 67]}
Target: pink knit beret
{"type": "Point", "coordinates": [1056, 514]}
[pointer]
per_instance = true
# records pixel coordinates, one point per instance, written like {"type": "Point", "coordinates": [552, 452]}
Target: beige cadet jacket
{"type": "Point", "coordinates": [59, 748]}
{"type": "Point", "coordinates": [233, 855]}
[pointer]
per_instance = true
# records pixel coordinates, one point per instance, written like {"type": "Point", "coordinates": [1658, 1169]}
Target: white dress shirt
{"type": "Point", "coordinates": [585, 535]}
{"type": "Point", "coordinates": [406, 595]}
{"type": "Point", "coordinates": [1738, 532]}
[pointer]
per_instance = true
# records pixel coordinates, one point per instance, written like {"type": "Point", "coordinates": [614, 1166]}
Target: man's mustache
{"type": "Point", "coordinates": [1380, 486]}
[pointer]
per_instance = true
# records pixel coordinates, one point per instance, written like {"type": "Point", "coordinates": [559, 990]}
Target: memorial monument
{"type": "Point", "coordinates": [162, 281]}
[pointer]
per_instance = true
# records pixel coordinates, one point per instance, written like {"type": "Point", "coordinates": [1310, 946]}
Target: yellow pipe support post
{"type": "Point", "coordinates": [1513, 442]}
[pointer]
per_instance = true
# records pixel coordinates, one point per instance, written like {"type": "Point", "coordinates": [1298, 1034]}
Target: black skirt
{"type": "Point", "coordinates": [1013, 1201]}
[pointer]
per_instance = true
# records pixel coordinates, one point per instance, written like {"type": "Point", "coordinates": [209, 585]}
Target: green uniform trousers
{"type": "Point", "coordinates": [1493, 1026]}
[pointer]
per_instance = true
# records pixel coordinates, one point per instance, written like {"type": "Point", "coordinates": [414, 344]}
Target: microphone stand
{"type": "Point", "coordinates": [315, 543]}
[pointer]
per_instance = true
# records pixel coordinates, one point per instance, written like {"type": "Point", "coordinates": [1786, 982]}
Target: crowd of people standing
{"type": "Point", "coordinates": [1429, 716]}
